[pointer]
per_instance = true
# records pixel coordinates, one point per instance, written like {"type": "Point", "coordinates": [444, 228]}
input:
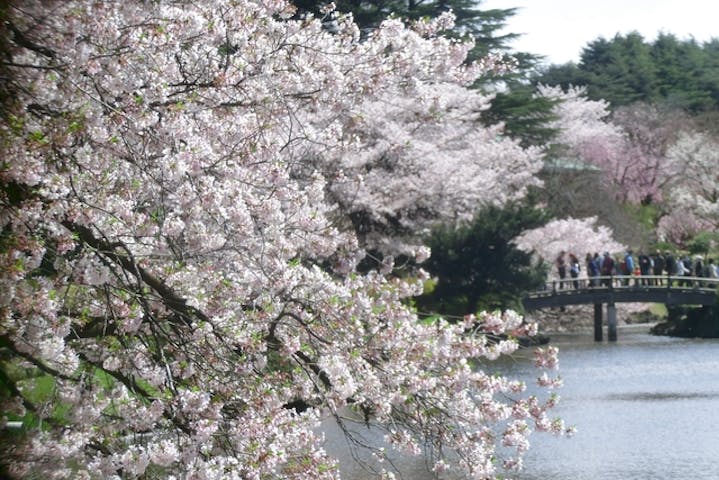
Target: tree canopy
{"type": "Point", "coordinates": [626, 69]}
{"type": "Point", "coordinates": [483, 25]}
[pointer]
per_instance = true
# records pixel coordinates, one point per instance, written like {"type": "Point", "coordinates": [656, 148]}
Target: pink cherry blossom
{"type": "Point", "coordinates": [693, 203]}
{"type": "Point", "coordinates": [181, 189]}
{"type": "Point", "coordinates": [629, 145]}
{"type": "Point", "coordinates": [570, 235]}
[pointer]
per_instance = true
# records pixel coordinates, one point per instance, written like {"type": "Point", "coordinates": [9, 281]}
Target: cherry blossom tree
{"type": "Point", "coordinates": [629, 146]}
{"type": "Point", "coordinates": [582, 126]}
{"type": "Point", "coordinates": [679, 226]}
{"type": "Point", "coordinates": [646, 167]}
{"type": "Point", "coordinates": [179, 297]}
{"type": "Point", "coordinates": [424, 158]}
{"type": "Point", "coordinates": [693, 203]}
{"type": "Point", "coordinates": [580, 236]}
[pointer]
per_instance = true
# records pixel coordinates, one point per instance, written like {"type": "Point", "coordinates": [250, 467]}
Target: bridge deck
{"type": "Point", "coordinates": [619, 289]}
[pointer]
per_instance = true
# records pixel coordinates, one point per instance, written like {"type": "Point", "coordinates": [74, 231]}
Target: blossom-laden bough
{"type": "Point", "coordinates": [179, 296]}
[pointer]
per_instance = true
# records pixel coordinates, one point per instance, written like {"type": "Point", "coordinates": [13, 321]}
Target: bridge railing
{"type": "Point", "coordinates": [627, 282]}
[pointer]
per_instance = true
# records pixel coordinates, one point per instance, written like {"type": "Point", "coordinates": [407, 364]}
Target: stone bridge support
{"type": "Point", "coordinates": [597, 322]}
{"type": "Point", "coordinates": [611, 322]}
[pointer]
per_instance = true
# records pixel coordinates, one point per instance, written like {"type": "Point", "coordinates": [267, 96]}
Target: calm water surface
{"type": "Point", "coordinates": [645, 407]}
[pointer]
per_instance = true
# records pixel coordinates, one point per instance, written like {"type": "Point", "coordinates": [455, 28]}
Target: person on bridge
{"type": "Point", "coordinates": [688, 269]}
{"type": "Point", "coordinates": [658, 267]}
{"type": "Point", "coordinates": [574, 269]}
{"type": "Point", "coordinates": [698, 269]}
{"type": "Point", "coordinates": [670, 264]}
{"type": "Point", "coordinates": [712, 269]}
{"type": "Point", "coordinates": [592, 269]}
{"type": "Point", "coordinates": [607, 269]}
{"type": "Point", "coordinates": [681, 270]}
{"type": "Point", "coordinates": [628, 266]}
{"type": "Point", "coordinates": [561, 268]}
{"type": "Point", "coordinates": [645, 267]}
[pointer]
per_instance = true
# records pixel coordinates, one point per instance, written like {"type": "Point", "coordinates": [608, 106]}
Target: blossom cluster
{"type": "Point", "coordinates": [580, 236]}
{"type": "Point", "coordinates": [693, 200]}
{"type": "Point", "coordinates": [178, 251]}
{"type": "Point", "coordinates": [628, 146]}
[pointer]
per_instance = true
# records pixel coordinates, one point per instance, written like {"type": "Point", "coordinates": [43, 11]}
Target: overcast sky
{"type": "Point", "coordinates": [559, 29]}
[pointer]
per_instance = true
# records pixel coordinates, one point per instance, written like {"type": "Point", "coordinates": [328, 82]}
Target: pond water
{"type": "Point", "coordinates": [645, 407]}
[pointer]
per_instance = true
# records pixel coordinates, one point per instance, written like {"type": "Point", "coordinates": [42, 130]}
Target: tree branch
{"type": "Point", "coordinates": [169, 297]}
{"type": "Point", "coordinates": [20, 38]}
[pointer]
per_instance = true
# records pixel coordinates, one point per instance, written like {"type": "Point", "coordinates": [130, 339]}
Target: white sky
{"type": "Point", "coordinates": [559, 29]}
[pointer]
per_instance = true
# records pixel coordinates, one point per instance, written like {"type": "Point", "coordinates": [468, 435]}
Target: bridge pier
{"type": "Point", "coordinates": [611, 322]}
{"type": "Point", "coordinates": [597, 322]}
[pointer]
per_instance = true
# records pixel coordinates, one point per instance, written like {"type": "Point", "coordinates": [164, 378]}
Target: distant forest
{"type": "Point", "coordinates": [681, 74]}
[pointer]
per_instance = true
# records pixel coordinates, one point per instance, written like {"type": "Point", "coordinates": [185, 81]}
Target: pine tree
{"type": "Point", "coordinates": [478, 266]}
{"type": "Point", "coordinates": [525, 115]}
{"type": "Point", "coordinates": [626, 69]}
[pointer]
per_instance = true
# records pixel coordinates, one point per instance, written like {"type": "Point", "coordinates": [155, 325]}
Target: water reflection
{"type": "Point", "coordinates": [645, 408]}
{"type": "Point", "coordinates": [659, 396]}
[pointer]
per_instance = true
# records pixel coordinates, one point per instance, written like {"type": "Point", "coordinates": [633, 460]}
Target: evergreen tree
{"type": "Point", "coordinates": [564, 75]}
{"type": "Point", "coordinates": [681, 73]}
{"type": "Point", "coordinates": [478, 267]}
{"type": "Point", "coordinates": [619, 71]}
{"type": "Point", "coordinates": [665, 53]}
{"type": "Point", "coordinates": [524, 114]}
{"type": "Point", "coordinates": [626, 69]}
{"type": "Point", "coordinates": [710, 72]}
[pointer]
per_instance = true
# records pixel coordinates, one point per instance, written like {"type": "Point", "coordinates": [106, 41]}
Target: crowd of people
{"type": "Point", "coordinates": [657, 266]}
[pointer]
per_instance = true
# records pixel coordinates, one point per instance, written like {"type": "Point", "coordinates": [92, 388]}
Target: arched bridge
{"type": "Point", "coordinates": [669, 290]}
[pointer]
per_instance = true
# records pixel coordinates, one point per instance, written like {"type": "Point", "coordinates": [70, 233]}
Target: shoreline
{"type": "Point", "coordinates": [580, 318]}
{"type": "Point", "coordinates": [625, 327]}
{"type": "Point", "coordinates": [631, 328]}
